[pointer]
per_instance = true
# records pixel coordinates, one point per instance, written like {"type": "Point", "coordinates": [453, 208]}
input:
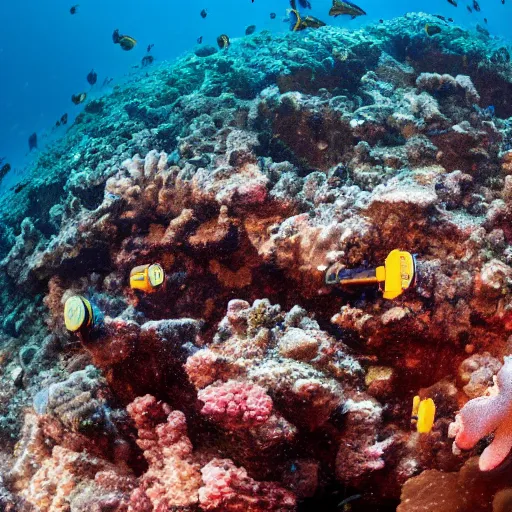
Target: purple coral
{"type": "Point", "coordinates": [487, 414]}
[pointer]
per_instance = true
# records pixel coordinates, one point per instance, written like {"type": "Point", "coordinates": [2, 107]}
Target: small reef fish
{"type": "Point", "coordinates": [32, 142]}
{"type": "Point", "coordinates": [149, 48]}
{"type": "Point", "coordinates": [223, 41]}
{"type": "Point", "coordinates": [345, 504]}
{"type": "Point", "coordinates": [476, 6]}
{"type": "Point", "coordinates": [18, 188]}
{"type": "Point", "coordinates": [92, 77]}
{"type": "Point", "coordinates": [482, 30]}
{"type": "Point", "coordinates": [64, 119]}
{"type": "Point", "coordinates": [305, 4]}
{"type": "Point", "coordinates": [453, 2]}
{"type": "Point", "coordinates": [250, 30]}
{"type": "Point", "coordinates": [297, 23]}
{"type": "Point", "coordinates": [4, 170]}
{"type": "Point", "coordinates": [147, 60]}
{"type": "Point", "coordinates": [423, 414]}
{"type": "Point", "coordinates": [341, 7]}
{"type": "Point", "coordinates": [125, 42]}
{"type": "Point", "coordinates": [442, 18]}
{"type": "Point", "coordinates": [485, 21]}
{"type": "Point", "coordinates": [78, 98]}
{"type": "Point", "coordinates": [469, 9]}
{"type": "Point", "coordinates": [272, 15]}
{"type": "Point", "coordinates": [107, 81]}
{"type": "Point", "coordinates": [74, 9]}
{"type": "Point", "coordinates": [203, 13]}
{"type": "Point", "coordinates": [432, 30]}
{"type": "Point", "coordinates": [199, 39]}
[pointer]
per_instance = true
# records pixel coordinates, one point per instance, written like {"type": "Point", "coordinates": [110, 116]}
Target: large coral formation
{"type": "Point", "coordinates": [245, 174]}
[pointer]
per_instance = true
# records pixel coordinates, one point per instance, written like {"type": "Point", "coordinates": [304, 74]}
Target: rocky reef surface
{"type": "Point", "coordinates": [244, 383]}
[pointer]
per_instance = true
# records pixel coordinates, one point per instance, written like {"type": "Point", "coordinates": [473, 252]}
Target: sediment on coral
{"type": "Point", "coordinates": [244, 382]}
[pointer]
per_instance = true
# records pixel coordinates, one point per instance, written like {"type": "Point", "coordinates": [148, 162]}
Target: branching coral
{"type": "Point", "coordinates": [173, 478]}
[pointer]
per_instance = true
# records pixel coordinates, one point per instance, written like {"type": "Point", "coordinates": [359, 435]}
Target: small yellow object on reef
{"type": "Point", "coordinates": [394, 277]}
{"type": "Point", "coordinates": [423, 414]}
{"type": "Point", "coordinates": [78, 313]}
{"type": "Point", "coordinates": [147, 277]}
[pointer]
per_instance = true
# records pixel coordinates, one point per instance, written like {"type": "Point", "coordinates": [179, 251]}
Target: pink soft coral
{"type": "Point", "coordinates": [230, 489]}
{"type": "Point", "coordinates": [236, 404]}
{"type": "Point", "coordinates": [484, 415]}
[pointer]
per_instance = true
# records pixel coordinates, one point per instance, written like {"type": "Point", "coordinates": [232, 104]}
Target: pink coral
{"type": "Point", "coordinates": [230, 489]}
{"type": "Point", "coordinates": [484, 415]}
{"type": "Point", "coordinates": [235, 404]}
{"type": "Point", "coordinates": [173, 477]}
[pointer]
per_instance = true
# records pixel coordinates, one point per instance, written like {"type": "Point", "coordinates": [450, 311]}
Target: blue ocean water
{"type": "Point", "coordinates": [46, 53]}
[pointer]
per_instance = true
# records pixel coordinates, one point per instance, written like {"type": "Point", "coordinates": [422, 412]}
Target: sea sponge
{"type": "Point", "coordinates": [483, 416]}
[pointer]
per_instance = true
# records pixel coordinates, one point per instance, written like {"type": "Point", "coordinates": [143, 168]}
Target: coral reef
{"type": "Point", "coordinates": [244, 382]}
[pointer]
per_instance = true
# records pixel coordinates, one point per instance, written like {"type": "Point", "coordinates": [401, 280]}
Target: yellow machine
{"type": "Point", "coordinates": [147, 278]}
{"type": "Point", "coordinates": [423, 414]}
{"type": "Point", "coordinates": [396, 275]}
{"type": "Point", "coordinates": [78, 313]}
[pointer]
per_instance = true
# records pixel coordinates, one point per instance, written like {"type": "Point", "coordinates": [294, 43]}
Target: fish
{"type": "Point", "coordinates": [442, 18]}
{"type": "Point", "coordinates": [32, 142]}
{"type": "Point", "coordinates": [203, 13]}
{"type": "Point", "coordinates": [223, 41]}
{"type": "Point", "coordinates": [272, 15]}
{"type": "Point", "coordinates": [199, 39]}
{"type": "Point", "coordinates": [297, 23]}
{"type": "Point", "coordinates": [469, 9]}
{"type": "Point", "coordinates": [476, 6]}
{"type": "Point", "coordinates": [147, 60]}
{"type": "Point", "coordinates": [20, 186]}
{"type": "Point", "coordinates": [4, 170]}
{"type": "Point", "coordinates": [107, 81]}
{"type": "Point", "coordinates": [64, 119]}
{"type": "Point", "coordinates": [453, 2]}
{"type": "Point", "coordinates": [432, 30]}
{"type": "Point", "coordinates": [74, 9]}
{"type": "Point", "coordinates": [502, 2]}
{"type": "Point", "coordinates": [485, 21]}
{"type": "Point", "coordinates": [250, 30]}
{"type": "Point", "coordinates": [340, 7]}
{"type": "Point", "coordinates": [125, 42]}
{"type": "Point", "coordinates": [482, 30]}
{"type": "Point", "coordinates": [92, 77]}
{"type": "Point", "coordinates": [305, 4]}
{"type": "Point", "coordinates": [78, 98]}
{"type": "Point", "coordinates": [150, 46]}
{"type": "Point", "coordinates": [346, 501]}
